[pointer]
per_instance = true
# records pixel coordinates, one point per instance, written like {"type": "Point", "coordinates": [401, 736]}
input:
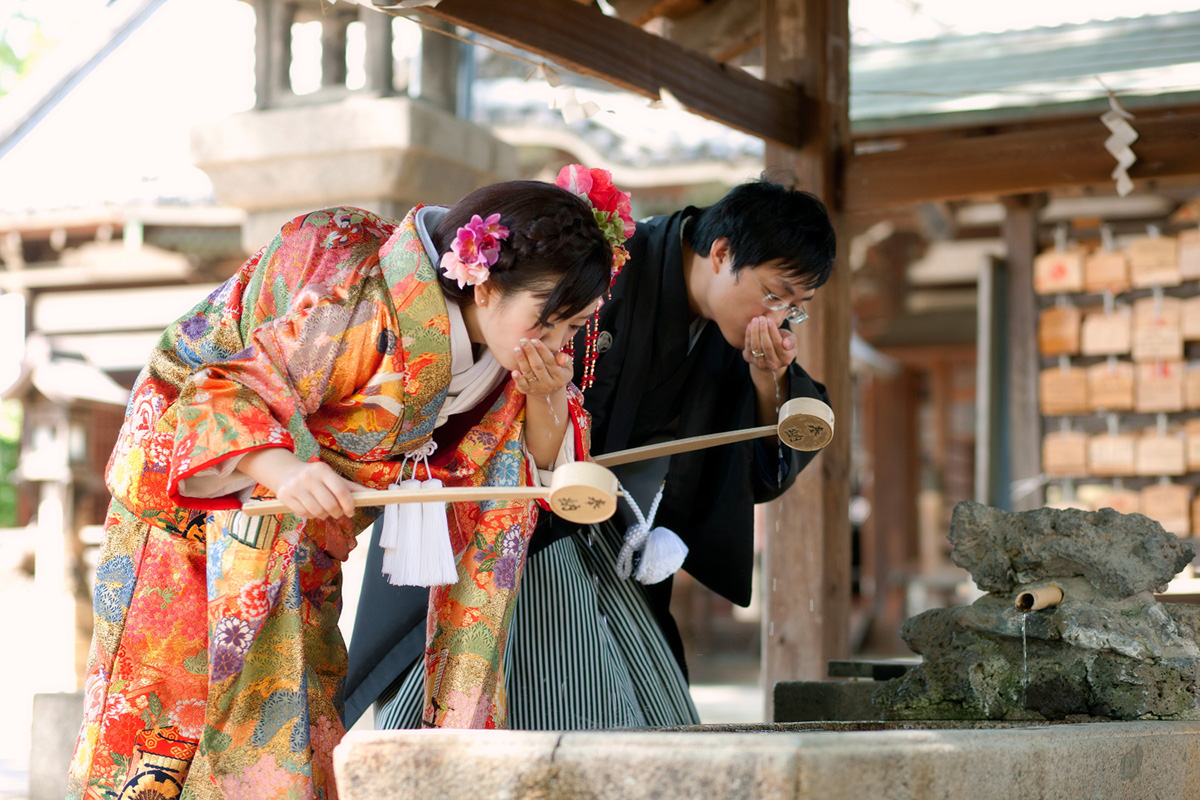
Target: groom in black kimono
{"type": "Point", "coordinates": [692, 341]}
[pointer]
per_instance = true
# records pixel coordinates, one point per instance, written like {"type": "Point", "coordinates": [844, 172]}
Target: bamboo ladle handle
{"type": "Point", "coordinates": [583, 492]}
{"type": "Point", "coordinates": [805, 423]}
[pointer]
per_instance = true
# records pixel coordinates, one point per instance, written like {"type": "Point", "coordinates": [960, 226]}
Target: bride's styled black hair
{"type": "Point", "coordinates": [554, 248]}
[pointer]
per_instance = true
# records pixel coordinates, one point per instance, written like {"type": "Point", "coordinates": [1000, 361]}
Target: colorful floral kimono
{"type": "Point", "coordinates": [217, 667]}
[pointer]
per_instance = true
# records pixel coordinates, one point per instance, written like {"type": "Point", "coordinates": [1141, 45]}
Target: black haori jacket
{"type": "Point", "coordinates": [647, 384]}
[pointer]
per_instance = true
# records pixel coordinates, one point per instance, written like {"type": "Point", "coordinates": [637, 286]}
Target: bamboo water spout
{"type": "Point", "coordinates": [1038, 598]}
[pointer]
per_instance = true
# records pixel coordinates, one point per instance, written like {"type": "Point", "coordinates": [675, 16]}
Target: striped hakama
{"type": "Point", "coordinates": [584, 650]}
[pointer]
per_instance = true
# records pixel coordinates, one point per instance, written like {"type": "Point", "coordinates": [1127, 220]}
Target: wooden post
{"type": "Point", "coordinates": [1024, 419]}
{"type": "Point", "coordinates": [806, 563]}
{"type": "Point", "coordinates": [889, 423]}
{"type": "Point", "coordinates": [991, 472]}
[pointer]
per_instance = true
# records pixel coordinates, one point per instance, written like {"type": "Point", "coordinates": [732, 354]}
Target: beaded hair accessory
{"type": "Point", "coordinates": [475, 249]}
{"type": "Point", "coordinates": [613, 214]}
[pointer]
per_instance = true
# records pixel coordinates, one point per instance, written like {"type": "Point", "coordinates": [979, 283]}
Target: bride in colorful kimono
{"type": "Point", "coordinates": [345, 347]}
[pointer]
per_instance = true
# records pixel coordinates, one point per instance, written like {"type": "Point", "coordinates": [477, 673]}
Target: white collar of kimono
{"type": "Point", "coordinates": [470, 380]}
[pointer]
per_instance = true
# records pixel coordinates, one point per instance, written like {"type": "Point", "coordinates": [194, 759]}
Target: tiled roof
{"type": "Point", "coordinates": [1151, 60]}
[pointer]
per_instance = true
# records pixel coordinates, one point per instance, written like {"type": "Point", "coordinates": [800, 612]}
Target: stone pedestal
{"type": "Point", "coordinates": [57, 718]}
{"type": "Point", "coordinates": [812, 701]}
{"type": "Point", "coordinates": [382, 154]}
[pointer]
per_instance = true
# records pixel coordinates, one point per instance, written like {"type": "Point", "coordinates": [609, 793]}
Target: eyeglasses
{"type": "Point", "coordinates": [773, 302]}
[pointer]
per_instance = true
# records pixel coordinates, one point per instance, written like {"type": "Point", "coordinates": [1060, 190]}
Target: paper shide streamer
{"type": "Point", "coordinates": [1122, 135]}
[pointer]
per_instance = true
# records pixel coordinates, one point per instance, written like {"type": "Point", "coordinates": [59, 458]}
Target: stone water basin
{"type": "Point", "coordinates": [782, 761]}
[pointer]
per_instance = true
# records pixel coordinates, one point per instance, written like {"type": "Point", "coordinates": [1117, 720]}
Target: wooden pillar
{"type": "Point", "coordinates": [806, 578]}
{"type": "Point", "coordinates": [991, 397]}
{"type": "Point", "coordinates": [889, 424]}
{"type": "Point", "coordinates": [1024, 419]}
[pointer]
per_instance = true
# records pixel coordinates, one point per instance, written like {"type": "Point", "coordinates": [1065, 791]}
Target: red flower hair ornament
{"type": "Point", "coordinates": [609, 205]}
{"type": "Point", "coordinates": [613, 214]}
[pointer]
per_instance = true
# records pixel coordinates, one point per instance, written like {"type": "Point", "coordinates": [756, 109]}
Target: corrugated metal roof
{"type": "Point", "coordinates": [968, 79]}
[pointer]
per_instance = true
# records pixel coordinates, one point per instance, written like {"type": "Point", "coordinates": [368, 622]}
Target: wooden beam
{"type": "Point", "coordinates": [806, 565]}
{"type": "Point", "coordinates": [584, 40]}
{"type": "Point", "coordinates": [1016, 159]}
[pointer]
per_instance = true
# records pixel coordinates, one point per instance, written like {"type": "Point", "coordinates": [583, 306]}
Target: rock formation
{"type": "Point", "coordinates": [1109, 649]}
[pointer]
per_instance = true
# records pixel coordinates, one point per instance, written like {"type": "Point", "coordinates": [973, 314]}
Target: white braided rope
{"type": "Point", "coordinates": [638, 533]}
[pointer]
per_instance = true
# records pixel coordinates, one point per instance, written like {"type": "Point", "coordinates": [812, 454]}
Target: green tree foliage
{"type": "Point", "coordinates": [21, 41]}
{"type": "Point", "coordinates": [10, 439]}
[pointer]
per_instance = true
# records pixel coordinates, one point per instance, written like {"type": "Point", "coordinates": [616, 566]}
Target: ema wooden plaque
{"type": "Point", "coordinates": [1192, 431]}
{"type": "Point", "coordinates": [1063, 391]}
{"type": "Point", "coordinates": [1189, 255]}
{"type": "Point", "coordinates": [1057, 272]}
{"type": "Point", "coordinates": [1110, 386]}
{"type": "Point", "coordinates": [1158, 387]}
{"type": "Point", "coordinates": [1126, 501]}
{"type": "Point", "coordinates": [1191, 387]}
{"type": "Point", "coordinates": [1058, 331]}
{"type": "Point", "coordinates": [1151, 313]}
{"type": "Point", "coordinates": [1154, 261]}
{"type": "Point", "coordinates": [1158, 343]}
{"type": "Point", "coordinates": [1112, 455]}
{"type": "Point", "coordinates": [1106, 270]}
{"type": "Point", "coordinates": [1189, 319]}
{"type": "Point", "coordinates": [1169, 505]}
{"type": "Point", "coordinates": [1106, 334]}
{"type": "Point", "coordinates": [1196, 515]}
{"type": "Point", "coordinates": [1064, 454]}
{"type": "Point", "coordinates": [1161, 455]}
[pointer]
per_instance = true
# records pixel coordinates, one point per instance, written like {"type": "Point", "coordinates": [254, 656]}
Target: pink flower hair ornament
{"type": "Point", "coordinates": [475, 249]}
{"type": "Point", "coordinates": [609, 205]}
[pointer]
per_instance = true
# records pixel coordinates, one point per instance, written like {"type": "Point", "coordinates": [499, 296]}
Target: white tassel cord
{"type": "Point", "coordinates": [416, 536]}
{"type": "Point", "coordinates": [664, 554]}
{"type": "Point", "coordinates": [401, 538]}
{"type": "Point", "coordinates": [438, 566]}
{"type": "Point", "coordinates": [662, 551]}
